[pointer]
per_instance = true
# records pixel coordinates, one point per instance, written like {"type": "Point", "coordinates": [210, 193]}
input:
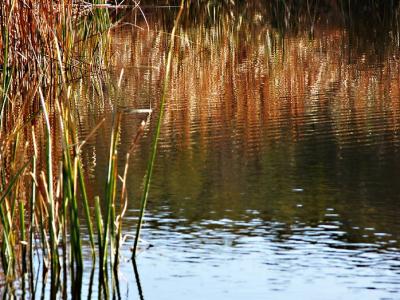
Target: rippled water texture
{"type": "Point", "coordinates": [278, 167]}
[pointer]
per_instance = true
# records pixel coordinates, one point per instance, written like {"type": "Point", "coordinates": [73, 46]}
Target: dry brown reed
{"type": "Point", "coordinates": [44, 45]}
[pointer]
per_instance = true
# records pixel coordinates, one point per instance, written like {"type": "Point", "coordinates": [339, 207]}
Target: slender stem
{"type": "Point", "coordinates": [49, 156]}
{"type": "Point", "coordinates": [23, 232]}
{"type": "Point", "coordinates": [150, 165]}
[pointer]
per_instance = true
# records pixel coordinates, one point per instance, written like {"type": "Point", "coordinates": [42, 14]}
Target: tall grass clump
{"type": "Point", "coordinates": [45, 47]}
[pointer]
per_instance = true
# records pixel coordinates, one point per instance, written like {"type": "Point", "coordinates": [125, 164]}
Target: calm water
{"type": "Point", "coordinates": [278, 167]}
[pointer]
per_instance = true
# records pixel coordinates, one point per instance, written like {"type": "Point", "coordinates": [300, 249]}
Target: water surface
{"type": "Point", "coordinates": [278, 166]}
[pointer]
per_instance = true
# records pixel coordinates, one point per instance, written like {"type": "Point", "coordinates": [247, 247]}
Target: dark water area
{"type": "Point", "coordinates": [278, 165]}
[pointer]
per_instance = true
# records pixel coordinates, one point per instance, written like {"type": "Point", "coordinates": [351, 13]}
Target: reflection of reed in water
{"type": "Point", "coordinates": [252, 76]}
{"type": "Point", "coordinates": [266, 87]}
{"type": "Point", "coordinates": [137, 278]}
{"type": "Point", "coordinates": [249, 105]}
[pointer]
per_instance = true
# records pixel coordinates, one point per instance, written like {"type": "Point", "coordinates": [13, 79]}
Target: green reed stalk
{"type": "Point", "coordinates": [152, 158]}
{"type": "Point", "coordinates": [23, 241]}
{"type": "Point", "coordinates": [64, 221]}
{"type": "Point", "coordinates": [70, 196]}
{"type": "Point", "coordinates": [32, 205]}
{"type": "Point", "coordinates": [77, 223]}
{"type": "Point", "coordinates": [14, 195]}
{"type": "Point", "coordinates": [12, 183]}
{"type": "Point", "coordinates": [82, 186]}
{"type": "Point", "coordinates": [6, 247]}
{"type": "Point", "coordinates": [111, 189]}
{"type": "Point", "coordinates": [73, 177]}
{"type": "Point", "coordinates": [7, 72]}
{"type": "Point", "coordinates": [99, 223]}
{"type": "Point", "coordinates": [49, 190]}
{"type": "Point", "coordinates": [119, 218]}
{"type": "Point", "coordinates": [112, 211]}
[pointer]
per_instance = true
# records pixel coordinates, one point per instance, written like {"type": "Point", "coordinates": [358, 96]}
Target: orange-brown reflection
{"type": "Point", "coordinates": [252, 114]}
{"type": "Point", "coordinates": [259, 85]}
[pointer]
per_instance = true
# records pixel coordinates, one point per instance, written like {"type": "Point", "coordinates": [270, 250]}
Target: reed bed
{"type": "Point", "coordinates": [46, 47]}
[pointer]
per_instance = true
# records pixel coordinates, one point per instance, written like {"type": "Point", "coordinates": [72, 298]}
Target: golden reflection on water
{"type": "Point", "coordinates": [251, 116]}
{"type": "Point", "coordinates": [285, 139]}
{"type": "Point", "coordinates": [266, 84]}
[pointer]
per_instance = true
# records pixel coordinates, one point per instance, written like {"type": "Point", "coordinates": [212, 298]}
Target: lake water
{"type": "Point", "coordinates": [278, 169]}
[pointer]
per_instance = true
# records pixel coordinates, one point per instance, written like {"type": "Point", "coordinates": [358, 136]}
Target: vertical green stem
{"type": "Point", "coordinates": [32, 221]}
{"type": "Point", "coordinates": [49, 160]}
{"type": "Point", "coordinates": [86, 207]}
{"type": "Point", "coordinates": [23, 241]}
{"type": "Point", "coordinates": [150, 165]}
{"type": "Point", "coordinates": [110, 189]}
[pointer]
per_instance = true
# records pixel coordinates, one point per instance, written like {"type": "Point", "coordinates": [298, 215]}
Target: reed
{"type": "Point", "coordinates": [32, 206]}
{"type": "Point", "coordinates": [54, 204]}
{"type": "Point", "coordinates": [153, 151]}
{"type": "Point", "coordinates": [23, 241]}
{"type": "Point", "coordinates": [57, 196]}
{"type": "Point", "coordinates": [48, 191]}
{"type": "Point", "coordinates": [110, 192]}
{"type": "Point", "coordinates": [42, 189]}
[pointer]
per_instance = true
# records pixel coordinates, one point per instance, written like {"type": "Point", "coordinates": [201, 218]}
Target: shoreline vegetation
{"type": "Point", "coordinates": [47, 49]}
{"type": "Point", "coordinates": [45, 46]}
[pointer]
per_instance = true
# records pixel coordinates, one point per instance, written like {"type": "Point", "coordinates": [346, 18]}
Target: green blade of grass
{"type": "Point", "coordinates": [23, 241]}
{"type": "Point", "coordinates": [10, 186]}
{"type": "Point", "coordinates": [152, 158]}
{"type": "Point", "coordinates": [49, 190]}
{"type": "Point", "coordinates": [110, 188]}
